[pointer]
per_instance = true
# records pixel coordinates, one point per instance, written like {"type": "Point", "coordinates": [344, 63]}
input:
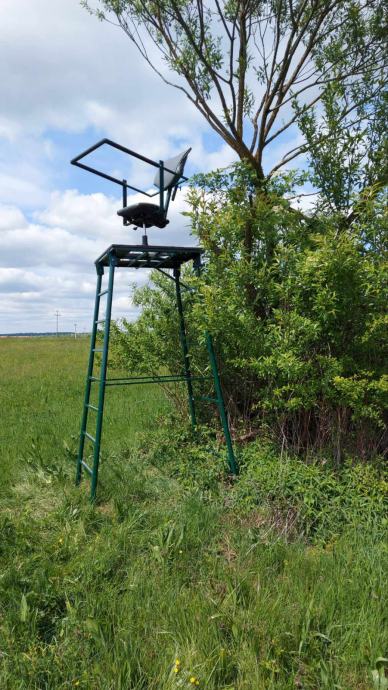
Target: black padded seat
{"type": "Point", "coordinates": [144, 215]}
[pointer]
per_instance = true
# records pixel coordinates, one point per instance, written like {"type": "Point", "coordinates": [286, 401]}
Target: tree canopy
{"type": "Point", "coordinates": [257, 69]}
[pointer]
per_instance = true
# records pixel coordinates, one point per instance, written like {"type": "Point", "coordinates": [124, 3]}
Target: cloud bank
{"type": "Point", "coordinates": [67, 81]}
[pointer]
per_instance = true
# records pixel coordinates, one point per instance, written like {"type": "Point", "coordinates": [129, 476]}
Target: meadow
{"type": "Point", "coordinates": [177, 577]}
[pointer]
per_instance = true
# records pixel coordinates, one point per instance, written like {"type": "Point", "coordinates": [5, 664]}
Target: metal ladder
{"type": "Point", "coordinates": [102, 381]}
{"type": "Point", "coordinates": [90, 379]}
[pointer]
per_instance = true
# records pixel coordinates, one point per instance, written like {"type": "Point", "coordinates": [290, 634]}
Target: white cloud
{"type": "Point", "coordinates": [16, 280]}
{"type": "Point", "coordinates": [92, 214]}
{"type": "Point", "coordinates": [48, 264]}
{"type": "Point", "coordinates": [62, 72]}
{"type": "Point", "coordinates": [66, 77]}
{"type": "Point", "coordinates": [11, 217]}
{"type": "Point", "coordinates": [61, 68]}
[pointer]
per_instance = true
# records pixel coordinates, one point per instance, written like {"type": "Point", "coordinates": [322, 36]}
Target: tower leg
{"type": "Point", "coordinates": [100, 272]}
{"type": "Point", "coordinates": [221, 405]}
{"type": "Point", "coordinates": [185, 349]}
{"type": "Point", "coordinates": [101, 392]}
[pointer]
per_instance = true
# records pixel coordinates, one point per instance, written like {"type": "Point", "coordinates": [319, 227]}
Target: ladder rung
{"type": "Point", "coordinates": [90, 437]}
{"type": "Point", "coordinates": [205, 397]}
{"type": "Point", "coordinates": [94, 378]}
{"type": "Point", "coordinates": [104, 292]}
{"type": "Point", "coordinates": [92, 407]}
{"type": "Point", "coordinates": [97, 349]}
{"type": "Point", "coordinates": [86, 466]}
{"type": "Point", "coordinates": [100, 321]}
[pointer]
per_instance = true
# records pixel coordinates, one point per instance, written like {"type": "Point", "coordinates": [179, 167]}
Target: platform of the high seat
{"type": "Point", "coordinates": [149, 256]}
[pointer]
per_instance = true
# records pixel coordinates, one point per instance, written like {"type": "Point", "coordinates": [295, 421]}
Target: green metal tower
{"type": "Point", "coordinates": [117, 256]}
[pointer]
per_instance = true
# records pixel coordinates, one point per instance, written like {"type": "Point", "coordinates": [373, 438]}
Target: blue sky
{"type": "Point", "coordinates": [68, 81]}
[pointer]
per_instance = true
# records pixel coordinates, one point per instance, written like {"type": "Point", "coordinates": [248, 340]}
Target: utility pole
{"type": "Point", "coordinates": [57, 314]}
{"type": "Point", "coordinates": [75, 331]}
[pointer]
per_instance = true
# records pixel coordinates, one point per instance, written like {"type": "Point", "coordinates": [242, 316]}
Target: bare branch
{"type": "Point", "coordinates": [293, 47]}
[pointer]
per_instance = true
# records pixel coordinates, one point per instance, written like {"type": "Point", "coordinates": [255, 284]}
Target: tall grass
{"type": "Point", "coordinates": [42, 383]}
{"type": "Point", "coordinates": [164, 584]}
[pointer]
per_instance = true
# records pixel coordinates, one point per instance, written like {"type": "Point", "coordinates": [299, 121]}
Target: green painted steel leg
{"type": "Point", "coordinates": [101, 391]}
{"type": "Point", "coordinates": [221, 405]}
{"type": "Point", "coordinates": [185, 349]}
{"type": "Point", "coordinates": [100, 271]}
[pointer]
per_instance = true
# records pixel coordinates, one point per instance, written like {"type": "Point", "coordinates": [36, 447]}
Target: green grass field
{"type": "Point", "coordinates": [41, 394]}
{"type": "Point", "coordinates": [163, 584]}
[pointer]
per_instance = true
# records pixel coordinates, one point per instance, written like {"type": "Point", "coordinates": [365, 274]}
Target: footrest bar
{"type": "Point", "coordinates": [157, 379]}
{"type": "Point", "coordinates": [89, 436]}
{"type": "Point", "coordinates": [100, 321]}
{"type": "Point", "coordinates": [86, 466]}
{"type": "Point", "coordinates": [125, 382]}
{"type": "Point", "coordinates": [92, 407]}
{"type": "Point", "coordinates": [97, 349]}
{"type": "Point", "coordinates": [104, 292]}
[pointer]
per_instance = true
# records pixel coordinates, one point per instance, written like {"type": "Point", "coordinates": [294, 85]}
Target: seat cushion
{"type": "Point", "coordinates": [144, 215]}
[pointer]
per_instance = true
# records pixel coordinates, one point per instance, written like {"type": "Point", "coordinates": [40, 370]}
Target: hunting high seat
{"type": "Point", "coordinates": [168, 178]}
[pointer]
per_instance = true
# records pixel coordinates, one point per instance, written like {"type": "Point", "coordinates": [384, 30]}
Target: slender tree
{"type": "Point", "coordinates": [256, 69]}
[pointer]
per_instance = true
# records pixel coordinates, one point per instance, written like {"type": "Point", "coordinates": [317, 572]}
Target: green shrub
{"type": "Point", "coordinates": [298, 317]}
{"type": "Point", "coordinates": [311, 500]}
{"type": "Point", "coordinates": [324, 502]}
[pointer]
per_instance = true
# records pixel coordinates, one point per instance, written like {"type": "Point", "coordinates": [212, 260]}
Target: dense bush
{"type": "Point", "coordinates": [313, 501]}
{"type": "Point", "coordinates": [296, 305]}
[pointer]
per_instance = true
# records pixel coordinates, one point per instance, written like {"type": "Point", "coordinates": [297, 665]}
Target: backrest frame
{"type": "Point", "coordinates": [164, 200]}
